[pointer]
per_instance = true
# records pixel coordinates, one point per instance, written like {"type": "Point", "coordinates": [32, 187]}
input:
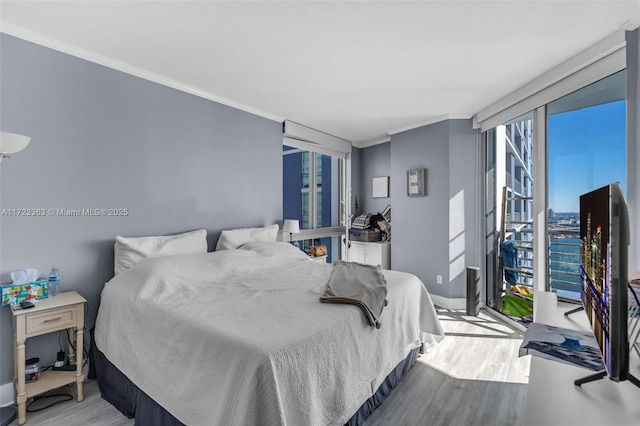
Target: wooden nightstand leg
{"type": "Point", "coordinates": [21, 394]}
{"type": "Point", "coordinates": [79, 362]}
{"type": "Point", "coordinates": [15, 365]}
{"type": "Point", "coordinates": [71, 335]}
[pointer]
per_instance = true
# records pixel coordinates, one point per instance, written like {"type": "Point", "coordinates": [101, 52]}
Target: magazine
{"type": "Point", "coordinates": [578, 348]}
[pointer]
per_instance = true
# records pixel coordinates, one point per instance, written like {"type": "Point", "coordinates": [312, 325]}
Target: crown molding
{"type": "Point", "coordinates": [432, 120]}
{"type": "Point", "coordinates": [108, 62]}
{"type": "Point", "coordinates": [367, 144]}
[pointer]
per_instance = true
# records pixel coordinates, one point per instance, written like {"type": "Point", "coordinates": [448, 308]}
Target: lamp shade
{"type": "Point", "coordinates": [10, 143]}
{"type": "Point", "coordinates": [291, 226]}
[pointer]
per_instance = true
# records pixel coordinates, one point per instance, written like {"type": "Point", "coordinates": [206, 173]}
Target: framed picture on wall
{"type": "Point", "coordinates": [380, 187]}
{"type": "Point", "coordinates": [416, 182]}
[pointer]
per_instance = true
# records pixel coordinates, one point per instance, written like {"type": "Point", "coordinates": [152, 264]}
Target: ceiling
{"type": "Point", "coordinates": [359, 70]}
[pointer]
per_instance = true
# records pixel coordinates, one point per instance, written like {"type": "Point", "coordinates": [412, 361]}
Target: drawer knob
{"type": "Point", "coordinates": [52, 319]}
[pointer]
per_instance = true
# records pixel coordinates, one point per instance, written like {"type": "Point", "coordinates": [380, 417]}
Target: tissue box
{"type": "Point", "coordinates": [318, 250]}
{"type": "Point", "coordinates": [13, 294]}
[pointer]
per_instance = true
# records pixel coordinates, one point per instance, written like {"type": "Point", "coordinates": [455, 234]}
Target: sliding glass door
{"type": "Point", "coordinates": [509, 217]}
{"type": "Point", "coordinates": [586, 145]}
{"type": "Point", "coordinates": [584, 137]}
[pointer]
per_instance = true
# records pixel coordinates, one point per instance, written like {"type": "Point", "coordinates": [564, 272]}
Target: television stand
{"type": "Point", "coordinates": [601, 375]}
{"type": "Point", "coordinates": [553, 399]}
{"type": "Point", "coordinates": [591, 378]}
{"type": "Point", "coordinates": [573, 311]}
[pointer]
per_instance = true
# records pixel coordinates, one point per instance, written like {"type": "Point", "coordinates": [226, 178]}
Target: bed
{"type": "Point", "coordinates": [239, 337]}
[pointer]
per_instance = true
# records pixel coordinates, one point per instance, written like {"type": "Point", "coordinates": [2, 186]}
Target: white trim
{"type": "Point", "coordinates": [307, 134]}
{"type": "Point", "coordinates": [106, 61]}
{"type": "Point", "coordinates": [592, 64]}
{"type": "Point", "coordinates": [432, 121]}
{"type": "Point", "coordinates": [427, 122]}
{"type": "Point", "coordinates": [372, 142]}
{"type": "Point", "coordinates": [540, 212]}
{"type": "Point", "coordinates": [6, 394]}
{"type": "Point", "coordinates": [312, 234]}
{"type": "Point", "coordinates": [459, 303]}
{"type": "Point", "coordinates": [310, 146]}
{"type": "Point", "coordinates": [505, 320]}
{"type": "Point", "coordinates": [313, 191]}
{"type": "Point", "coordinates": [293, 151]}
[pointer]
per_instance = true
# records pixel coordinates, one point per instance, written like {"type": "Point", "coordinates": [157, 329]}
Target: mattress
{"type": "Point", "coordinates": [240, 337]}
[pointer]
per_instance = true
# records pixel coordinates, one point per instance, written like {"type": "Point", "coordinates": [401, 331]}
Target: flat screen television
{"type": "Point", "coordinates": [604, 236]}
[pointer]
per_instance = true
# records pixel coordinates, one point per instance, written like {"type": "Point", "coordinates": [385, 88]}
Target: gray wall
{"type": "Point", "coordinates": [419, 224]}
{"type": "Point", "coordinates": [436, 234]}
{"type": "Point", "coordinates": [465, 214]}
{"type": "Point", "coordinates": [374, 163]}
{"type": "Point", "coordinates": [105, 139]}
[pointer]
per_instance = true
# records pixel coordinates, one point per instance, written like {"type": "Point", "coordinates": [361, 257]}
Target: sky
{"type": "Point", "coordinates": [586, 150]}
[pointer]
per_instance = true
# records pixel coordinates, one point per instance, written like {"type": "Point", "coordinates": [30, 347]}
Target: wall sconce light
{"type": "Point", "coordinates": [10, 143]}
{"type": "Point", "coordinates": [291, 226]}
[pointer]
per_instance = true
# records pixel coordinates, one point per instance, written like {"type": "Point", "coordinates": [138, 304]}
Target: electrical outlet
{"type": "Point", "coordinates": [439, 279]}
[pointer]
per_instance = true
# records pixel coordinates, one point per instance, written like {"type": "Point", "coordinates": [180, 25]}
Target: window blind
{"type": "Point", "coordinates": [299, 136]}
{"type": "Point", "coordinates": [594, 63]}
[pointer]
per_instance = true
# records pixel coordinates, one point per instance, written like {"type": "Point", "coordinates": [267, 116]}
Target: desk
{"type": "Point", "coordinates": [553, 399]}
{"type": "Point", "coordinates": [62, 312]}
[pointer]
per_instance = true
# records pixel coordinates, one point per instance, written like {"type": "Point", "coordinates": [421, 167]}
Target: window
{"type": "Point", "coordinates": [311, 194]}
{"type": "Point", "coordinates": [586, 145]}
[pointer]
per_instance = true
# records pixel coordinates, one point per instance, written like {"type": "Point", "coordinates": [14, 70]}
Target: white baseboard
{"type": "Point", "coordinates": [459, 303]}
{"type": "Point", "coordinates": [6, 394]}
{"type": "Point", "coordinates": [448, 303]}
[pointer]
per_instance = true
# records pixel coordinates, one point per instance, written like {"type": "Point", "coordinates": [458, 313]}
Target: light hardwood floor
{"type": "Point", "coordinates": [474, 377]}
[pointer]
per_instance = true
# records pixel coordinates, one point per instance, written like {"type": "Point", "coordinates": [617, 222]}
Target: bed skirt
{"type": "Point", "coordinates": [120, 392]}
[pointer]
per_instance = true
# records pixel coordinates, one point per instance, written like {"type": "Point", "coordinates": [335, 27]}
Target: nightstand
{"type": "Point", "coordinates": [62, 312]}
{"type": "Point", "coordinates": [322, 259]}
{"type": "Point", "coordinates": [371, 253]}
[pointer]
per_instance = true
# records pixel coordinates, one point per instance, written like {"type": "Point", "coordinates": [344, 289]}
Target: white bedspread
{"type": "Point", "coordinates": [239, 337]}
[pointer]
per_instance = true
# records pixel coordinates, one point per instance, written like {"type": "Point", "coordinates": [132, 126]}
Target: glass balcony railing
{"type": "Point", "coordinates": [564, 263]}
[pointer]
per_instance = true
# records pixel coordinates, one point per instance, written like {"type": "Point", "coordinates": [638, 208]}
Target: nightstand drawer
{"type": "Point", "coordinates": [58, 319]}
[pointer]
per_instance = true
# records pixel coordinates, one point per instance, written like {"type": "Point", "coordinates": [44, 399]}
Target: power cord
{"type": "Point", "coordinates": [85, 351]}
{"type": "Point", "coordinates": [62, 397]}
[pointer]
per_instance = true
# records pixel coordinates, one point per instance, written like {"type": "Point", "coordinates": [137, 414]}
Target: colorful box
{"type": "Point", "coordinates": [12, 294]}
{"type": "Point", "coordinates": [318, 250]}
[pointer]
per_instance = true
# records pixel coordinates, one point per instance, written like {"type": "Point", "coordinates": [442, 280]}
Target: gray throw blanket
{"type": "Point", "coordinates": [360, 285]}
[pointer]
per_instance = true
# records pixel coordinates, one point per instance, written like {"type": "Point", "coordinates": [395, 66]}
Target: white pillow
{"type": "Point", "coordinates": [234, 238]}
{"type": "Point", "coordinates": [131, 251]}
